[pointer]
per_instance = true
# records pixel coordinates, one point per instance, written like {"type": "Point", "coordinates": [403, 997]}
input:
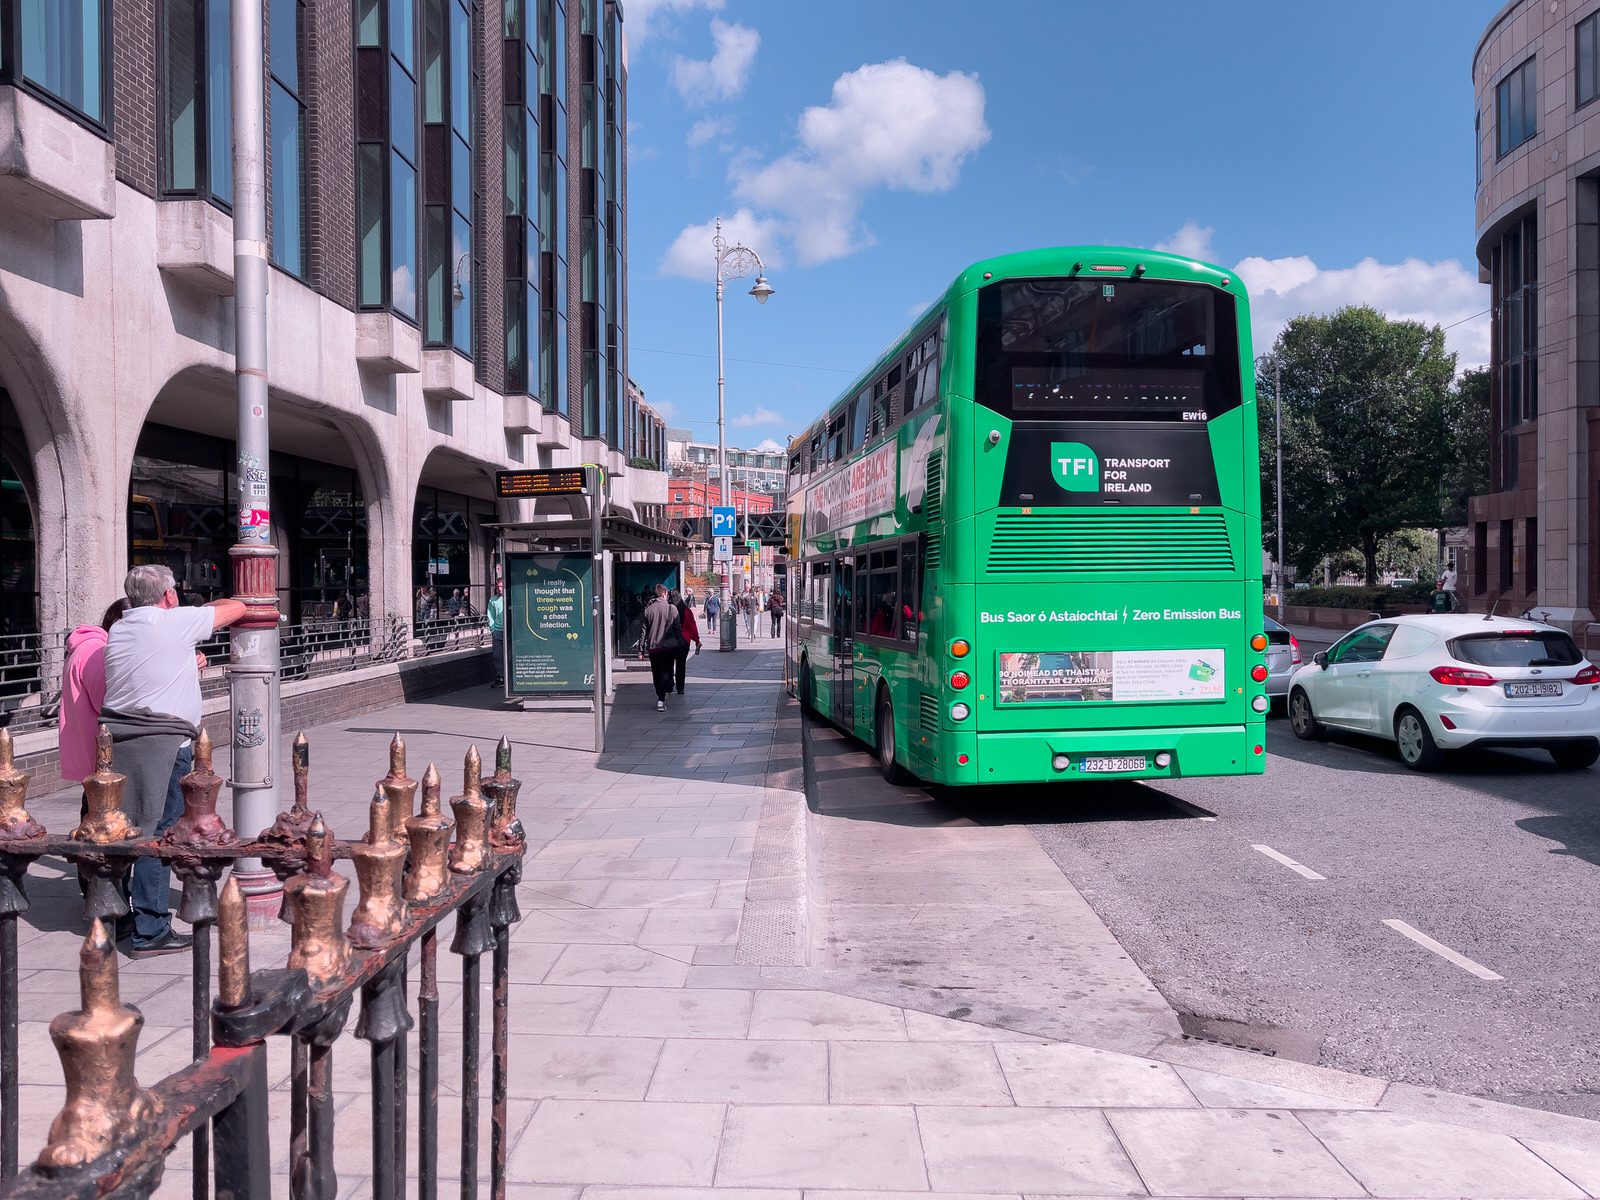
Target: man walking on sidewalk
{"type": "Point", "coordinates": [661, 639]}
{"type": "Point", "coordinates": [152, 707]}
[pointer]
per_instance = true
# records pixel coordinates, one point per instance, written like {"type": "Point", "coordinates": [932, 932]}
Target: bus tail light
{"type": "Point", "coordinates": [1461, 677]}
{"type": "Point", "coordinates": [959, 712]}
{"type": "Point", "coordinates": [1259, 642]}
{"type": "Point", "coordinates": [1261, 704]}
{"type": "Point", "coordinates": [960, 648]}
{"type": "Point", "coordinates": [1258, 673]}
{"type": "Point", "coordinates": [959, 680]}
{"type": "Point", "coordinates": [1163, 760]}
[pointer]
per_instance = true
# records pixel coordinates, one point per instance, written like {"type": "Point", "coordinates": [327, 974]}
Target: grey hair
{"type": "Point", "coordinates": [147, 584]}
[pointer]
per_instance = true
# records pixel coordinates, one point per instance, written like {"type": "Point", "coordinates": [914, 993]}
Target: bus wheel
{"type": "Point", "coordinates": [892, 770]}
{"type": "Point", "coordinates": [805, 686]}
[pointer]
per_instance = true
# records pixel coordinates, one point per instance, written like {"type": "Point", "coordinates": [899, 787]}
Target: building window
{"type": "Point", "coordinates": [1507, 556]}
{"type": "Point", "coordinates": [57, 50]}
{"type": "Point", "coordinates": [1587, 70]}
{"type": "Point", "coordinates": [1514, 268]}
{"type": "Point", "coordinates": [1530, 553]}
{"type": "Point", "coordinates": [1516, 108]}
{"type": "Point", "coordinates": [197, 99]}
{"type": "Point", "coordinates": [387, 154]}
{"type": "Point", "coordinates": [521, 127]}
{"type": "Point", "coordinates": [552, 215]}
{"type": "Point", "coordinates": [288, 123]}
{"type": "Point", "coordinates": [449, 85]}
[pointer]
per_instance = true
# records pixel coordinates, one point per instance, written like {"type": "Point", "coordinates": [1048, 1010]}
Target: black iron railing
{"type": "Point", "coordinates": [414, 868]}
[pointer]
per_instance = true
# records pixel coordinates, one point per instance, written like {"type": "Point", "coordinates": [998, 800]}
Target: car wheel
{"type": "Point", "coordinates": [1575, 758]}
{"type": "Point", "coordinates": [1412, 736]}
{"type": "Point", "coordinates": [1306, 726]}
{"type": "Point", "coordinates": [891, 770]}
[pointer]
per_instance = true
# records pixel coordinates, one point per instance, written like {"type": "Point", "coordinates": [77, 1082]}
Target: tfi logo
{"type": "Point", "coordinates": [1075, 467]}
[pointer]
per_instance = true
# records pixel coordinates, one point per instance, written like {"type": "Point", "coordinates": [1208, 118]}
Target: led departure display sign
{"type": "Point", "coordinates": [559, 481]}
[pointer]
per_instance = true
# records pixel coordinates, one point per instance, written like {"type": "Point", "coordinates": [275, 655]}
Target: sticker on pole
{"type": "Point", "coordinates": [724, 521]}
{"type": "Point", "coordinates": [722, 549]}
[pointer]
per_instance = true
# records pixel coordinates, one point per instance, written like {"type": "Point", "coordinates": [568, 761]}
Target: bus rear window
{"type": "Point", "coordinates": [1106, 350]}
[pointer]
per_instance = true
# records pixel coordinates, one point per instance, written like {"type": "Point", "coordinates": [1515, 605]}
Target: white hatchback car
{"type": "Point", "coordinates": [1431, 683]}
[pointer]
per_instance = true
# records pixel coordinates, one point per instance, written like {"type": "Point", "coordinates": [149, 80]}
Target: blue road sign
{"type": "Point", "coordinates": [724, 521]}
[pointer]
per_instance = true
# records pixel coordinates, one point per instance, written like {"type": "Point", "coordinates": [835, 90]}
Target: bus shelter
{"type": "Point", "coordinates": [572, 583]}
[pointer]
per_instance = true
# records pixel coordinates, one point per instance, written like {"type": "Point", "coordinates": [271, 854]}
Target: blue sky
{"type": "Point", "coordinates": [869, 149]}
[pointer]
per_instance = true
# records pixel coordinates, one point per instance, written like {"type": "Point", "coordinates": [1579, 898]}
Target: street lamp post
{"type": "Point", "coordinates": [733, 262]}
{"type": "Point", "coordinates": [1277, 429]}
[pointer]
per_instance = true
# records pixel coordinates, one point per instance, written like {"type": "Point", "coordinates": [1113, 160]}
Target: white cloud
{"type": "Point", "coordinates": [769, 446]}
{"type": "Point", "coordinates": [640, 14]}
{"type": "Point", "coordinates": [1192, 241]}
{"type": "Point", "coordinates": [1440, 293]}
{"type": "Point", "coordinates": [761, 416]}
{"type": "Point", "coordinates": [888, 125]}
{"type": "Point", "coordinates": [723, 76]}
{"type": "Point", "coordinates": [692, 256]}
{"type": "Point", "coordinates": [709, 129]}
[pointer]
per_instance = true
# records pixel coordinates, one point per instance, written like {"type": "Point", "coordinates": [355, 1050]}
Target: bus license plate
{"type": "Point", "coordinates": [1552, 688]}
{"type": "Point", "coordinates": [1106, 763]}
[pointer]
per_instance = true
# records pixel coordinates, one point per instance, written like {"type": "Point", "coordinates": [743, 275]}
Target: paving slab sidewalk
{"type": "Point", "coordinates": [661, 1049]}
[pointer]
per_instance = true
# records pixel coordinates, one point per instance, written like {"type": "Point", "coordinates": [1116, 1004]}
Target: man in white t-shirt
{"type": "Point", "coordinates": [152, 705]}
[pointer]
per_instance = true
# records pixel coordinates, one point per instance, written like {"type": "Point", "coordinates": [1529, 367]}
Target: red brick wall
{"type": "Point", "coordinates": [133, 92]}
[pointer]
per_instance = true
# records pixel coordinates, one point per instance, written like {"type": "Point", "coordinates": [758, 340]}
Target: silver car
{"type": "Point", "coordinates": [1283, 659]}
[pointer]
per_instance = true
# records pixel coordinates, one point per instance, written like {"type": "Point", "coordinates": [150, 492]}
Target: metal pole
{"type": "Point", "coordinates": [597, 503]}
{"type": "Point", "coordinates": [1277, 399]}
{"type": "Point", "coordinates": [729, 639]}
{"type": "Point", "coordinates": [253, 663]}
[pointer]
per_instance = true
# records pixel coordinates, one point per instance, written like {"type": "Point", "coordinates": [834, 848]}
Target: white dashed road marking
{"type": "Point", "coordinates": [1288, 862]}
{"type": "Point", "coordinates": [1443, 951]}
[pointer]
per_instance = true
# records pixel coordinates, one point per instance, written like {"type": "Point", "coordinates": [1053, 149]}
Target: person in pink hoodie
{"type": "Point", "coordinates": [83, 688]}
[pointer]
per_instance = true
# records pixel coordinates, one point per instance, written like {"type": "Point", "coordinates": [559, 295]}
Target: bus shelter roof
{"type": "Point", "coordinates": [618, 533]}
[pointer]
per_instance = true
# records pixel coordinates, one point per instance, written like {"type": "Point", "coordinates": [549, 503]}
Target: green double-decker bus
{"type": "Point", "coordinates": [1025, 545]}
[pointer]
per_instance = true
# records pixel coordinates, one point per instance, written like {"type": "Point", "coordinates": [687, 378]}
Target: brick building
{"type": "Point", "coordinates": [447, 197]}
{"type": "Point", "coordinates": [691, 498]}
{"type": "Point", "coordinates": [1530, 539]}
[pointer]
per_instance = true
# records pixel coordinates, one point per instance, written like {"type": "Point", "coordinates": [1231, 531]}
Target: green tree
{"type": "Point", "coordinates": [1365, 443]}
{"type": "Point", "coordinates": [1466, 426]}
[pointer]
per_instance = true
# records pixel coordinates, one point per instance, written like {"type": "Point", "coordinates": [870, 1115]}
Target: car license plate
{"type": "Point", "coordinates": [1552, 688]}
{"type": "Point", "coordinates": [1106, 763]}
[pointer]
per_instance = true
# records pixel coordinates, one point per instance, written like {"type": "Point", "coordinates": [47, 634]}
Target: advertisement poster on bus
{"type": "Point", "coordinates": [1118, 676]}
{"type": "Point", "coordinates": [549, 624]}
{"type": "Point", "coordinates": [864, 489]}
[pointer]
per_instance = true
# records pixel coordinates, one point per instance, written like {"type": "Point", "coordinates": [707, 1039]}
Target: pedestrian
{"type": "Point", "coordinates": [747, 608]}
{"type": "Point", "coordinates": [775, 609]}
{"type": "Point", "coordinates": [661, 636]}
{"type": "Point", "coordinates": [453, 605]}
{"type": "Point", "coordinates": [83, 688]}
{"type": "Point", "coordinates": [689, 632]}
{"type": "Point", "coordinates": [497, 631]}
{"type": "Point", "coordinates": [713, 610]}
{"type": "Point", "coordinates": [152, 708]}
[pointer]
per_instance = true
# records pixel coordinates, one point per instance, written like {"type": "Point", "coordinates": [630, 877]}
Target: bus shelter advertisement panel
{"type": "Point", "coordinates": [1118, 676]}
{"type": "Point", "coordinates": [549, 624]}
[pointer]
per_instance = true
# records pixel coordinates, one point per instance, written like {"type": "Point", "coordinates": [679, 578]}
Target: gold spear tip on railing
{"type": "Point", "coordinates": [202, 753]}
{"type": "Point", "coordinates": [102, 749]}
{"type": "Point", "coordinates": [8, 761]}
{"type": "Point", "coordinates": [472, 772]}
{"type": "Point", "coordinates": [301, 759]}
{"type": "Point", "coordinates": [379, 824]}
{"type": "Point", "coordinates": [97, 970]}
{"type": "Point", "coordinates": [430, 792]}
{"type": "Point", "coordinates": [233, 943]}
{"type": "Point", "coordinates": [397, 757]}
{"type": "Point", "coordinates": [502, 757]}
{"type": "Point", "coordinates": [319, 848]}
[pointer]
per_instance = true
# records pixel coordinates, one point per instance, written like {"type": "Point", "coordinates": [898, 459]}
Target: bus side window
{"type": "Point", "coordinates": [885, 594]}
{"type": "Point", "coordinates": [860, 415]}
{"type": "Point", "coordinates": [815, 460]}
{"type": "Point", "coordinates": [910, 589]}
{"type": "Point", "coordinates": [861, 594]}
{"type": "Point", "coordinates": [822, 593]}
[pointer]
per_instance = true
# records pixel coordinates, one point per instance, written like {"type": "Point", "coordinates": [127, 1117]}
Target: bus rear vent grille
{"type": "Point", "coordinates": [1142, 543]}
{"type": "Point", "coordinates": [930, 713]}
{"type": "Point", "coordinates": [932, 510]}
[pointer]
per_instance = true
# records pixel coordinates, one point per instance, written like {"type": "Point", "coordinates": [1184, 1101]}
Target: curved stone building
{"type": "Point", "coordinates": [1536, 77]}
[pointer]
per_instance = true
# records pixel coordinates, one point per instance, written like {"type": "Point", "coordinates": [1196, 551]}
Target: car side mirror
{"type": "Point", "coordinates": [1321, 659]}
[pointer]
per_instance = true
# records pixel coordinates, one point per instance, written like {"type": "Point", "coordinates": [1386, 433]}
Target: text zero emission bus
{"type": "Point", "coordinates": [1025, 545]}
